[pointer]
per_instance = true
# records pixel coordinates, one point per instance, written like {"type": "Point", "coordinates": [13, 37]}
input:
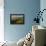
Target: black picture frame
{"type": "Point", "coordinates": [17, 18]}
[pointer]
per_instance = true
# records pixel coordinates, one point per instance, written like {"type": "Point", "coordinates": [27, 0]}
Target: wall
{"type": "Point", "coordinates": [43, 6]}
{"type": "Point", "coordinates": [28, 7]}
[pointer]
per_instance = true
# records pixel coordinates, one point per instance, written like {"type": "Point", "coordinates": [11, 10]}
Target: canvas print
{"type": "Point", "coordinates": [16, 18]}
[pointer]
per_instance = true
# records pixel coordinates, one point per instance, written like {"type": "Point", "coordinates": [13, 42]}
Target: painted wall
{"type": "Point", "coordinates": [29, 8]}
{"type": "Point", "coordinates": [43, 6]}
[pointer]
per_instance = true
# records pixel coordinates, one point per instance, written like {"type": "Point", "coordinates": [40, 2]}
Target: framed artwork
{"type": "Point", "coordinates": [16, 18]}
